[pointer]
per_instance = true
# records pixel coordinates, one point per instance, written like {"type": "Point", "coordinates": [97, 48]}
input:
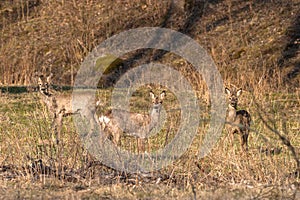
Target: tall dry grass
{"type": "Point", "coordinates": [28, 146]}
{"type": "Point", "coordinates": [245, 40]}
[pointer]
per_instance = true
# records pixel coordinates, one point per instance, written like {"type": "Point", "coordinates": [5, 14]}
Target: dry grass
{"type": "Point", "coordinates": [29, 155]}
{"type": "Point", "coordinates": [253, 40]}
{"type": "Point", "coordinates": [254, 45]}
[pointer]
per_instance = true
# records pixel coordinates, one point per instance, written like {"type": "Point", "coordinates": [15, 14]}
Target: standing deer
{"type": "Point", "coordinates": [59, 105]}
{"type": "Point", "coordinates": [138, 125]}
{"type": "Point", "coordinates": [238, 121]}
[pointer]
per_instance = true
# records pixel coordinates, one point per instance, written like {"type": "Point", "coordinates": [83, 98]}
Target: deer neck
{"type": "Point", "coordinates": [50, 101]}
{"type": "Point", "coordinates": [155, 113]}
{"type": "Point", "coordinates": [231, 113]}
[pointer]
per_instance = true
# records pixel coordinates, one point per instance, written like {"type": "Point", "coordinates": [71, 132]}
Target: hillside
{"type": "Point", "coordinates": [255, 41]}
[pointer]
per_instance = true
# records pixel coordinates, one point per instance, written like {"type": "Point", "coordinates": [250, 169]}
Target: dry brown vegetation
{"type": "Point", "coordinates": [255, 45]}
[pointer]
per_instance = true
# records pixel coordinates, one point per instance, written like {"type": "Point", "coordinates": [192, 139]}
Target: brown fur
{"type": "Point", "coordinates": [238, 121]}
{"type": "Point", "coordinates": [139, 122]}
{"type": "Point", "coordinates": [59, 105]}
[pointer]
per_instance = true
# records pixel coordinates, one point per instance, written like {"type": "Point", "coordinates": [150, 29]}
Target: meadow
{"type": "Point", "coordinates": [254, 45]}
{"type": "Point", "coordinates": [269, 169]}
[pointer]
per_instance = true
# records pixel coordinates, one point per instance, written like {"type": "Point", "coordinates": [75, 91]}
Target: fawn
{"type": "Point", "coordinates": [59, 105]}
{"type": "Point", "coordinates": [238, 121]}
{"type": "Point", "coordinates": [139, 125]}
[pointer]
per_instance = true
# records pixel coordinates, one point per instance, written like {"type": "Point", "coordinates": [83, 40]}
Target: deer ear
{"type": "Point", "coordinates": [49, 78]}
{"type": "Point", "coordinates": [227, 91]}
{"type": "Point", "coordinates": [39, 80]}
{"type": "Point", "coordinates": [162, 95]}
{"type": "Point", "coordinates": [152, 95]}
{"type": "Point", "coordinates": [239, 92]}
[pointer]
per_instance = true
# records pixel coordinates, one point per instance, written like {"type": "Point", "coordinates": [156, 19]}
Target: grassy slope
{"type": "Point", "coordinates": [252, 41]}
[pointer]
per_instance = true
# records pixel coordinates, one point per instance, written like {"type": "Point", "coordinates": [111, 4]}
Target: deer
{"type": "Point", "coordinates": [138, 125]}
{"type": "Point", "coordinates": [238, 121]}
{"type": "Point", "coordinates": [59, 105]}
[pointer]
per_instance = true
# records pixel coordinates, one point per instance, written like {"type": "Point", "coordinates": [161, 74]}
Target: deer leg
{"type": "Point", "coordinates": [240, 134]}
{"type": "Point", "coordinates": [141, 145]}
{"type": "Point", "coordinates": [232, 138]}
{"type": "Point", "coordinates": [54, 127]}
{"type": "Point", "coordinates": [245, 141]}
{"type": "Point", "coordinates": [59, 121]}
{"type": "Point", "coordinates": [116, 138]}
{"type": "Point", "coordinates": [230, 132]}
{"type": "Point", "coordinates": [149, 145]}
{"type": "Point", "coordinates": [138, 144]}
